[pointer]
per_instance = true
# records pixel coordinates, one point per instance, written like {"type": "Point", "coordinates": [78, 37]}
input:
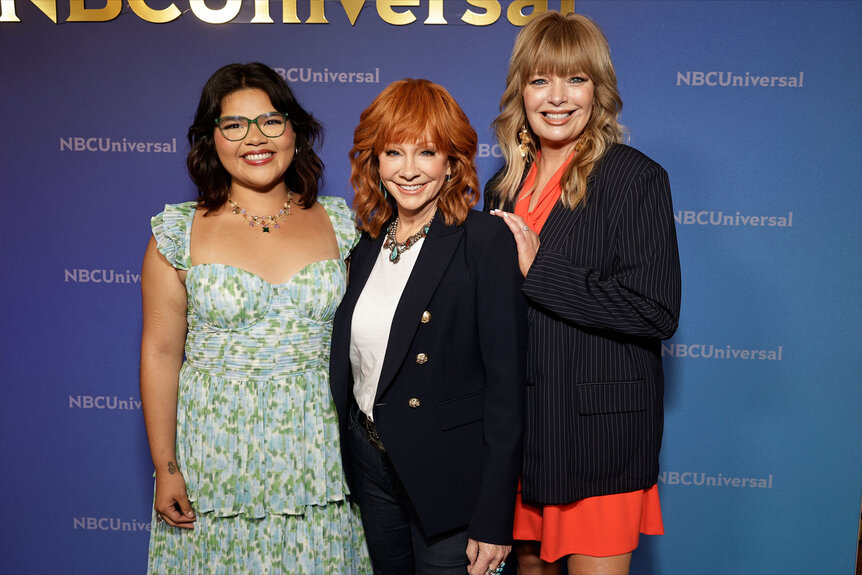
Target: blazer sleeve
{"type": "Point", "coordinates": [501, 317]}
{"type": "Point", "coordinates": [641, 294]}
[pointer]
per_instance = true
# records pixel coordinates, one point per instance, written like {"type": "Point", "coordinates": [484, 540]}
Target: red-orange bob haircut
{"type": "Point", "coordinates": [409, 112]}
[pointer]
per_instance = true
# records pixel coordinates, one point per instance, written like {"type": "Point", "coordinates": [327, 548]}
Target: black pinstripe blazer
{"type": "Point", "coordinates": [603, 291]}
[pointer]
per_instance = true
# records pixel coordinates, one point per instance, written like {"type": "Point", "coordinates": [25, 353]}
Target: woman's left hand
{"type": "Point", "coordinates": [486, 558]}
{"type": "Point", "coordinates": [526, 239]}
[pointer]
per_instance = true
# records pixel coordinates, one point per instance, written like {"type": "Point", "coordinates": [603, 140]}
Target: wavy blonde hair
{"type": "Point", "coordinates": [563, 45]}
{"type": "Point", "coordinates": [413, 111]}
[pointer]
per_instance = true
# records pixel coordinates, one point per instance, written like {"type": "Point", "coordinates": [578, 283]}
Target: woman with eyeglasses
{"type": "Point", "coordinates": [239, 291]}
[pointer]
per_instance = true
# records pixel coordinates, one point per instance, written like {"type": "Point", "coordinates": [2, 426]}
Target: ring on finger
{"type": "Point", "coordinates": [525, 228]}
{"type": "Point", "coordinates": [159, 518]}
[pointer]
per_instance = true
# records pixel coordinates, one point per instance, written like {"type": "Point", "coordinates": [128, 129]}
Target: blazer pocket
{"type": "Point", "coordinates": [611, 397]}
{"type": "Point", "coordinates": [460, 411]}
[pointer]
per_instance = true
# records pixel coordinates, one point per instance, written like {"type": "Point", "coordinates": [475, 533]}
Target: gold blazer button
{"type": "Point", "coordinates": [421, 359]}
{"type": "Point", "coordinates": [414, 402]}
{"type": "Point", "coordinates": [426, 316]}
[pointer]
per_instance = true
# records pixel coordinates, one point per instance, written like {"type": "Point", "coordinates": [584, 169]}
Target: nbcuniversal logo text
{"type": "Point", "coordinates": [109, 402]}
{"type": "Point", "coordinates": [710, 351]}
{"type": "Point", "coordinates": [720, 218]}
{"type": "Point", "coordinates": [81, 144]}
{"type": "Point", "coordinates": [731, 80]}
{"type": "Point", "coordinates": [100, 276]}
{"type": "Point", "coordinates": [110, 524]}
{"type": "Point", "coordinates": [700, 479]}
{"type": "Point", "coordinates": [489, 151]}
{"type": "Point", "coordinates": [325, 76]}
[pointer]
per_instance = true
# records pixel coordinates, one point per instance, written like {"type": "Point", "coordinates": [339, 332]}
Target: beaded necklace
{"type": "Point", "coordinates": [397, 248]}
{"type": "Point", "coordinates": [265, 222]}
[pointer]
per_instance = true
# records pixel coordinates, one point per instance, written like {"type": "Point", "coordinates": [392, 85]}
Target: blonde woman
{"type": "Point", "coordinates": [592, 219]}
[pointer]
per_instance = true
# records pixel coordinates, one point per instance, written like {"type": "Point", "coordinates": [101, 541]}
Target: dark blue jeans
{"type": "Point", "coordinates": [396, 542]}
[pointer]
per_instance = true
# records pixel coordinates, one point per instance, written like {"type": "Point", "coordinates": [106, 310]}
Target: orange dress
{"type": "Point", "coordinates": [600, 526]}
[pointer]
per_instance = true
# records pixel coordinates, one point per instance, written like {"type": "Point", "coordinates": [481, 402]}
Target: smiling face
{"type": "Point", "coordinates": [558, 108]}
{"type": "Point", "coordinates": [256, 162]}
{"type": "Point", "coordinates": [414, 174]}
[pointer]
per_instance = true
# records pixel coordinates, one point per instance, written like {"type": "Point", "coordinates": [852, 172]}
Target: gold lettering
{"type": "Point", "coordinates": [7, 10]}
{"type": "Point", "coordinates": [435, 13]}
{"type": "Point", "coordinates": [351, 8]}
{"type": "Point", "coordinates": [390, 16]}
{"type": "Point", "coordinates": [261, 12]}
{"type": "Point", "coordinates": [515, 12]}
{"type": "Point", "coordinates": [317, 15]}
{"type": "Point", "coordinates": [519, 12]}
{"type": "Point", "coordinates": [220, 16]}
{"type": "Point", "coordinates": [288, 12]}
{"type": "Point", "coordinates": [77, 12]}
{"type": "Point", "coordinates": [168, 14]}
{"type": "Point", "coordinates": [492, 13]}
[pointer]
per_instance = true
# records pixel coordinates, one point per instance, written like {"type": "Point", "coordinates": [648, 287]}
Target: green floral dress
{"type": "Point", "coordinates": [257, 433]}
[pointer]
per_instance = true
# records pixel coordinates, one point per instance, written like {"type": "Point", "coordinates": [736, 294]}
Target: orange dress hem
{"type": "Point", "coordinates": [601, 526]}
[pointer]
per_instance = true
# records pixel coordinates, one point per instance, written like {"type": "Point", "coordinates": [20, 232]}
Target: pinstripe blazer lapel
{"type": "Point", "coordinates": [558, 226]}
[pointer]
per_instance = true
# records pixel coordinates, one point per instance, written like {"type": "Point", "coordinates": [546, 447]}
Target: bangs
{"type": "Point", "coordinates": [414, 115]}
{"type": "Point", "coordinates": [562, 50]}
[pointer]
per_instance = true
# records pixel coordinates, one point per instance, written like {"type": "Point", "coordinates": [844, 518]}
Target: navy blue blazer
{"type": "Point", "coordinates": [458, 453]}
{"type": "Point", "coordinates": [603, 291]}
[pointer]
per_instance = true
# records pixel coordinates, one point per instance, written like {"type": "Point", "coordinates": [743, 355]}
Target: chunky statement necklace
{"type": "Point", "coordinates": [397, 248]}
{"type": "Point", "coordinates": [265, 222]}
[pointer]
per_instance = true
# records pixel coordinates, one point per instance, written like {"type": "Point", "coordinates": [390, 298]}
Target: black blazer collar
{"type": "Point", "coordinates": [437, 251]}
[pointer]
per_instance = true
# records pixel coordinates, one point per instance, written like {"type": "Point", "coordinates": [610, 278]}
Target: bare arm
{"type": "Point", "coordinates": [162, 344]}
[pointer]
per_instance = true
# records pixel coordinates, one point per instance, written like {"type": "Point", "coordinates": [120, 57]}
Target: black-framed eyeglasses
{"type": "Point", "coordinates": [235, 128]}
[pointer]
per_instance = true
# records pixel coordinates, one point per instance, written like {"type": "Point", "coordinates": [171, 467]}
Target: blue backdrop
{"type": "Point", "coordinates": [754, 108]}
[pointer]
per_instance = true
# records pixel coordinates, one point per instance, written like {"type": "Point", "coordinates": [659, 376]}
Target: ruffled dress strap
{"type": "Point", "coordinates": [343, 222]}
{"type": "Point", "coordinates": [172, 229]}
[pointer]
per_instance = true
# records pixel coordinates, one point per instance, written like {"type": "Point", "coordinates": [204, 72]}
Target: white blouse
{"type": "Point", "coordinates": [372, 322]}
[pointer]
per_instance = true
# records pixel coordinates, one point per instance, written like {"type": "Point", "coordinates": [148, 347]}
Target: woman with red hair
{"type": "Point", "coordinates": [427, 368]}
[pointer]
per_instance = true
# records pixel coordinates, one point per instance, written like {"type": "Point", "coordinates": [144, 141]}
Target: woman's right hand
{"type": "Point", "coordinates": [172, 502]}
{"type": "Point", "coordinates": [526, 239]}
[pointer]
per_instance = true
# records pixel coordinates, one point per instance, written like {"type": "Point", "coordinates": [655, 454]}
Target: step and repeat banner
{"type": "Point", "coordinates": [753, 107]}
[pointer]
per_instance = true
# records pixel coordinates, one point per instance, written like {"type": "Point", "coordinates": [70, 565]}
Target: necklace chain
{"type": "Point", "coordinates": [266, 222]}
{"type": "Point", "coordinates": [397, 248]}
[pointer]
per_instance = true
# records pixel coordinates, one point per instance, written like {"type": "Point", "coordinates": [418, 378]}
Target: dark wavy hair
{"type": "Point", "coordinates": [212, 180]}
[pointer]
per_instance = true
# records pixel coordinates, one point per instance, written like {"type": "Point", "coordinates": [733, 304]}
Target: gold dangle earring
{"type": "Point", "coordinates": [524, 136]}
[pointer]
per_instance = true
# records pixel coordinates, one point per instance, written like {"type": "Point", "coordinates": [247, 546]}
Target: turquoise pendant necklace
{"type": "Point", "coordinates": [397, 248]}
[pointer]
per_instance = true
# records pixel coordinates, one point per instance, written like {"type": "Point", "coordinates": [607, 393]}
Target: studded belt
{"type": "Point", "coordinates": [370, 432]}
